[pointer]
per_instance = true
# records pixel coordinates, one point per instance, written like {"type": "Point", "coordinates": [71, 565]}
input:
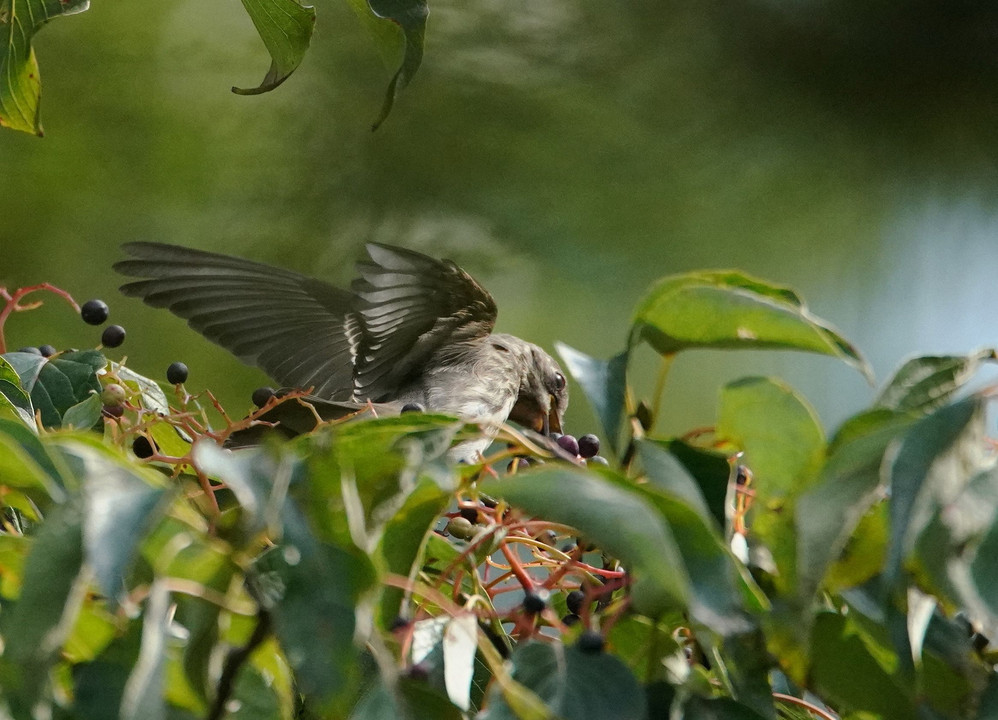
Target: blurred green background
{"type": "Point", "coordinates": [566, 152]}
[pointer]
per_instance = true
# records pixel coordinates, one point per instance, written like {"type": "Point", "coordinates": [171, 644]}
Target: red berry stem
{"type": "Point", "coordinates": [12, 304]}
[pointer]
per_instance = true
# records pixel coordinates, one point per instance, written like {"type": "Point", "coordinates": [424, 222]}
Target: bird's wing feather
{"type": "Point", "coordinates": [362, 344]}
{"type": "Point", "coordinates": [413, 306]}
{"type": "Point", "coordinates": [291, 326]}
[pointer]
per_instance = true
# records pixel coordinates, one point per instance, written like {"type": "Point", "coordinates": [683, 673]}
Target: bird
{"type": "Point", "coordinates": [411, 330]}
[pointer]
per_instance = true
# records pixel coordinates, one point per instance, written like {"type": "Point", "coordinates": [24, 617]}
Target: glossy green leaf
{"type": "Point", "coordinates": [925, 383]}
{"type": "Point", "coordinates": [575, 685]}
{"type": "Point", "coordinates": [57, 384]}
{"type": "Point", "coordinates": [727, 309]}
{"type": "Point", "coordinates": [150, 393]}
{"type": "Point", "coordinates": [26, 465]}
{"type": "Point", "coordinates": [34, 629]}
{"type": "Point", "coordinates": [711, 470]}
{"type": "Point", "coordinates": [20, 82]}
{"type": "Point", "coordinates": [932, 465]}
{"type": "Point", "coordinates": [604, 384]}
{"type": "Point", "coordinates": [410, 16]}
{"type": "Point", "coordinates": [143, 695]}
{"type": "Point", "coordinates": [412, 700]}
{"type": "Point", "coordinates": [403, 539]}
{"type": "Point", "coordinates": [13, 552]}
{"type": "Point", "coordinates": [857, 671]}
{"type": "Point", "coordinates": [784, 447]}
{"type": "Point", "coordinates": [778, 431]}
{"type": "Point", "coordinates": [100, 684]}
{"type": "Point", "coordinates": [285, 26]}
{"type": "Point", "coordinates": [616, 518]}
{"type": "Point", "coordinates": [311, 590]}
{"type": "Point", "coordinates": [13, 398]}
{"type": "Point", "coordinates": [827, 514]}
{"type": "Point", "coordinates": [84, 414]}
{"type": "Point", "coordinates": [699, 708]}
{"type": "Point", "coordinates": [263, 689]}
{"type": "Point", "coordinates": [667, 474]}
{"type": "Point", "coordinates": [377, 462]}
{"type": "Point", "coordinates": [120, 504]}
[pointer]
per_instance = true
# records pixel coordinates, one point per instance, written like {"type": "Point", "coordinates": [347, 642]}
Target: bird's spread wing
{"type": "Point", "coordinates": [412, 307]}
{"type": "Point", "coordinates": [295, 328]}
{"type": "Point", "coordinates": [360, 344]}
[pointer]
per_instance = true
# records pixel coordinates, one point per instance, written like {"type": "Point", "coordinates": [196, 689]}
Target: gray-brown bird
{"type": "Point", "coordinates": [411, 329]}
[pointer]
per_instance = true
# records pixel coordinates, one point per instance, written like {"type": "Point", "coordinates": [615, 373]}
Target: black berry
{"type": "Point", "coordinates": [597, 460]}
{"type": "Point", "coordinates": [94, 312]}
{"type": "Point", "coordinates": [588, 445]}
{"type": "Point", "coordinates": [30, 350]}
{"type": "Point", "coordinates": [569, 444]}
{"type": "Point", "coordinates": [590, 642]}
{"type": "Point", "coordinates": [262, 395]}
{"type": "Point", "coordinates": [413, 407]}
{"type": "Point", "coordinates": [571, 619]}
{"type": "Point", "coordinates": [534, 603]}
{"type": "Point", "coordinates": [112, 336]}
{"type": "Point", "coordinates": [47, 350]}
{"type": "Point", "coordinates": [979, 641]}
{"type": "Point", "coordinates": [470, 514]}
{"type": "Point", "coordinates": [142, 447]}
{"type": "Point", "coordinates": [176, 373]}
{"type": "Point", "coordinates": [574, 600]}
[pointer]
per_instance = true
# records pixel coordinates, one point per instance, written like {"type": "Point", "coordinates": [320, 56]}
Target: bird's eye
{"type": "Point", "coordinates": [559, 381]}
{"type": "Point", "coordinates": [500, 348]}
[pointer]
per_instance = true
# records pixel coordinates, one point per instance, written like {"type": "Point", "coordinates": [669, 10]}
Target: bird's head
{"type": "Point", "coordinates": [543, 397]}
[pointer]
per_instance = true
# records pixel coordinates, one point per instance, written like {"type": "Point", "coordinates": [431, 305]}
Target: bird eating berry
{"type": "Point", "coordinates": [410, 330]}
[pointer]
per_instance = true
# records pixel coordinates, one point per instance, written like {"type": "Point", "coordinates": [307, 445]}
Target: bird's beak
{"type": "Point", "coordinates": [552, 423]}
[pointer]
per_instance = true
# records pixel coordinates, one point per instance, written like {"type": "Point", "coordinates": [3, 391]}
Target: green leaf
{"type": "Point", "coordinates": [285, 26]}
{"type": "Point", "coordinates": [925, 383]}
{"type": "Point", "coordinates": [698, 708]}
{"type": "Point", "coordinates": [778, 431]}
{"type": "Point", "coordinates": [142, 698]}
{"type": "Point", "coordinates": [857, 671]}
{"type": "Point", "coordinates": [120, 502]}
{"type": "Point", "coordinates": [574, 685]}
{"type": "Point", "coordinates": [151, 394]}
{"type": "Point", "coordinates": [726, 309]}
{"type": "Point", "coordinates": [403, 540]}
{"type": "Point", "coordinates": [617, 518]}
{"type": "Point", "coordinates": [933, 463]}
{"type": "Point", "coordinates": [784, 447]}
{"type": "Point", "coordinates": [20, 83]}
{"type": "Point", "coordinates": [604, 383]}
{"type": "Point", "coordinates": [263, 688]}
{"type": "Point", "coordinates": [100, 684]}
{"type": "Point", "coordinates": [413, 700]}
{"type": "Point", "coordinates": [711, 470]}
{"type": "Point", "coordinates": [410, 16]}
{"type": "Point", "coordinates": [57, 384]}
{"type": "Point", "coordinates": [827, 514]}
{"type": "Point", "coordinates": [26, 465]}
{"type": "Point", "coordinates": [377, 463]}
{"type": "Point", "coordinates": [83, 415]}
{"type": "Point", "coordinates": [12, 394]}
{"type": "Point", "coordinates": [666, 474]}
{"type": "Point", "coordinates": [311, 590]}
{"type": "Point", "coordinates": [42, 617]}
